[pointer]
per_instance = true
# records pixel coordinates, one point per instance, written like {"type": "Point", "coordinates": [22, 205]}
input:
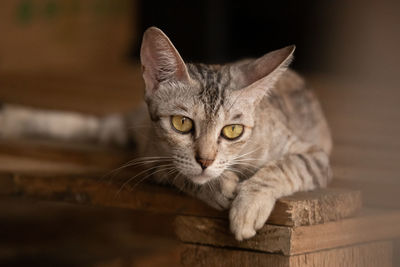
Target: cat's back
{"type": "Point", "coordinates": [300, 110]}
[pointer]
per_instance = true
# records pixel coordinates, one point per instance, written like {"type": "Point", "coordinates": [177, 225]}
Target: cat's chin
{"type": "Point", "coordinates": [201, 179]}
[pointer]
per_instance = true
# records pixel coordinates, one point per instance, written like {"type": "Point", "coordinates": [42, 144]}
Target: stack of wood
{"type": "Point", "coordinates": [326, 227]}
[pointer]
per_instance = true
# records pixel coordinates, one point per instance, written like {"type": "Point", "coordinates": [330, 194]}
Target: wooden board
{"type": "Point", "coordinates": [396, 253]}
{"type": "Point", "coordinates": [89, 156]}
{"type": "Point", "coordinates": [368, 226]}
{"type": "Point", "coordinates": [306, 208]}
{"type": "Point", "coordinates": [378, 254]}
{"type": "Point", "coordinates": [315, 207]}
{"type": "Point", "coordinates": [42, 233]}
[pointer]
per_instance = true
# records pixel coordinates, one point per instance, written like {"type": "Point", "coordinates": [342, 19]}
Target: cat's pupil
{"type": "Point", "coordinates": [183, 121]}
{"type": "Point", "coordinates": [233, 128]}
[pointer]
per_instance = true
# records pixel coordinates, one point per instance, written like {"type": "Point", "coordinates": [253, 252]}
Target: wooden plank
{"type": "Point", "coordinates": [42, 233]}
{"type": "Point", "coordinates": [377, 254]}
{"type": "Point", "coordinates": [100, 191]}
{"type": "Point", "coordinates": [215, 232]}
{"type": "Point", "coordinates": [396, 252]}
{"type": "Point", "coordinates": [303, 208]}
{"type": "Point", "coordinates": [365, 255]}
{"type": "Point", "coordinates": [315, 207]}
{"type": "Point", "coordinates": [205, 256]}
{"type": "Point", "coordinates": [31, 165]}
{"type": "Point", "coordinates": [89, 156]}
{"type": "Point", "coordinates": [368, 226]}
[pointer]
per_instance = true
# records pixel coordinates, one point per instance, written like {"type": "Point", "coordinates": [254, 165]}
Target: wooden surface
{"type": "Point", "coordinates": [303, 208]}
{"type": "Point", "coordinates": [396, 252]}
{"type": "Point", "coordinates": [376, 254]}
{"type": "Point", "coordinates": [40, 233]}
{"type": "Point", "coordinates": [366, 227]}
{"type": "Point", "coordinates": [315, 207]}
{"type": "Point", "coordinates": [56, 157]}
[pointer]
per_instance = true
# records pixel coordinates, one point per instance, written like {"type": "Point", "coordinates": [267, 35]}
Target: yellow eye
{"type": "Point", "coordinates": [232, 131]}
{"type": "Point", "coordinates": [181, 124]}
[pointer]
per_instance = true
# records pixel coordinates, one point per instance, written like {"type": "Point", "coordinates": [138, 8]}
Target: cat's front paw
{"type": "Point", "coordinates": [250, 210]}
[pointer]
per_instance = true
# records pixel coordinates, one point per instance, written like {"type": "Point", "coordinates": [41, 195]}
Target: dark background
{"type": "Point", "coordinates": [220, 31]}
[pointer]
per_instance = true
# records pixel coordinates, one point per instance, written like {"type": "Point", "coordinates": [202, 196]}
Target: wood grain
{"type": "Point", "coordinates": [90, 155]}
{"type": "Point", "coordinates": [368, 226]}
{"type": "Point", "coordinates": [306, 208]}
{"type": "Point", "coordinates": [378, 254]}
{"type": "Point", "coordinates": [315, 207]}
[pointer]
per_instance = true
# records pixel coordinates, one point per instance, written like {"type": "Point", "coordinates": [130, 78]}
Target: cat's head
{"type": "Point", "coordinates": [204, 114]}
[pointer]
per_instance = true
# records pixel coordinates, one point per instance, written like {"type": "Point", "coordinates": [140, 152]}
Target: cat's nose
{"type": "Point", "coordinates": [204, 163]}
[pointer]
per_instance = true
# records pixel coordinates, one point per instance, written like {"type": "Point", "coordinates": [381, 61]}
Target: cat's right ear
{"type": "Point", "coordinates": [160, 60]}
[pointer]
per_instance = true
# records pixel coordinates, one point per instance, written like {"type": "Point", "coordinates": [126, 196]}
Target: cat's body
{"type": "Point", "coordinates": [237, 136]}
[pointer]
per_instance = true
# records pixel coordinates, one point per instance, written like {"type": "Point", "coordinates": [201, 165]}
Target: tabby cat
{"type": "Point", "coordinates": [237, 136]}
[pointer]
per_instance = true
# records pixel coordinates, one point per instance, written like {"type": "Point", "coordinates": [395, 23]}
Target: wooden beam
{"type": "Point", "coordinates": [368, 226]}
{"type": "Point", "coordinates": [396, 252]}
{"type": "Point", "coordinates": [315, 207]}
{"type": "Point", "coordinates": [306, 208]}
{"type": "Point", "coordinates": [365, 255]}
{"type": "Point", "coordinates": [92, 157]}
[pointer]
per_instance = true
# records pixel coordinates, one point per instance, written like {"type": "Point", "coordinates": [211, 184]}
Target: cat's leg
{"type": "Point", "coordinates": [300, 171]}
{"type": "Point", "coordinates": [25, 122]}
{"type": "Point", "coordinates": [221, 192]}
{"type": "Point", "coordinates": [218, 193]}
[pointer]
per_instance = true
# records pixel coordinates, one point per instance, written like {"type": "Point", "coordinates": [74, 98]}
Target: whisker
{"type": "Point", "coordinates": [235, 170]}
{"type": "Point", "coordinates": [248, 153]}
{"type": "Point", "coordinates": [149, 175]}
{"type": "Point", "coordinates": [135, 162]}
{"type": "Point", "coordinates": [176, 177]}
{"type": "Point", "coordinates": [140, 173]}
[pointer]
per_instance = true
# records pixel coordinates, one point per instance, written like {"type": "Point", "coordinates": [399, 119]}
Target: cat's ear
{"type": "Point", "coordinates": [160, 60]}
{"type": "Point", "coordinates": [260, 75]}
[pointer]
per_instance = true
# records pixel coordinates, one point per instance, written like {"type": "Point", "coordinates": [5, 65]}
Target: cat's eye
{"type": "Point", "coordinates": [232, 131]}
{"type": "Point", "coordinates": [181, 124]}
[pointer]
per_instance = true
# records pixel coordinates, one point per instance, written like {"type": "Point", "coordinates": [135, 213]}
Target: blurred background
{"type": "Point", "coordinates": [82, 55]}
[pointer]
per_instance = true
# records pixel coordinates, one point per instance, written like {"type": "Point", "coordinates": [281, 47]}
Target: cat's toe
{"type": "Point", "coordinates": [248, 232]}
{"type": "Point", "coordinates": [249, 214]}
{"type": "Point", "coordinates": [242, 225]}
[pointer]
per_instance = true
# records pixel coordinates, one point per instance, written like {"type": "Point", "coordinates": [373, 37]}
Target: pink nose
{"type": "Point", "coordinates": [204, 163]}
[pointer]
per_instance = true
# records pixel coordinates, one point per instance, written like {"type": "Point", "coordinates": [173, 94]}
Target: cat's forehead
{"type": "Point", "coordinates": [213, 82]}
{"type": "Point", "coordinates": [207, 98]}
{"type": "Point", "coordinates": [211, 77]}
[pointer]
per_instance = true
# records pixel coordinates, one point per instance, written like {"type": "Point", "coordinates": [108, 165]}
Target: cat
{"type": "Point", "coordinates": [237, 136]}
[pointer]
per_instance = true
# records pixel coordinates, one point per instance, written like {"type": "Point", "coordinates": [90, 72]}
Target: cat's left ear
{"type": "Point", "coordinates": [260, 75]}
{"type": "Point", "coordinates": [160, 60]}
